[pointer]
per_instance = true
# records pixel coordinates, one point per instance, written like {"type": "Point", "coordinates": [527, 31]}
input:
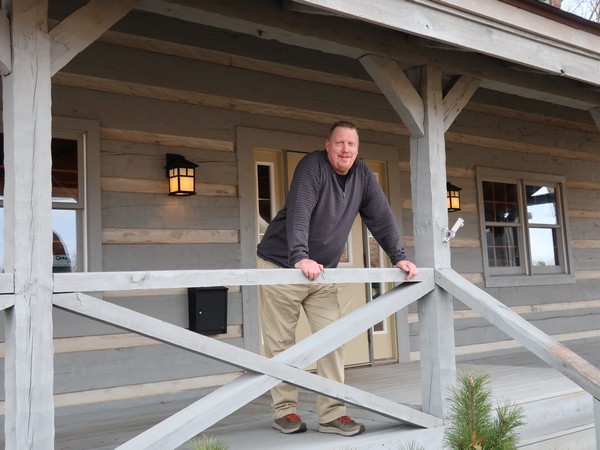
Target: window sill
{"type": "Point", "coordinates": [525, 280]}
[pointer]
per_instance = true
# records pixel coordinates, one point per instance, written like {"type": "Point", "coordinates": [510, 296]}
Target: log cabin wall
{"type": "Point", "coordinates": [156, 85]}
{"type": "Point", "coordinates": [504, 132]}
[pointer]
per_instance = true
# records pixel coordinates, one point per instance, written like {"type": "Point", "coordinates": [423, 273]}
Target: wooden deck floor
{"type": "Point", "coordinates": [518, 376]}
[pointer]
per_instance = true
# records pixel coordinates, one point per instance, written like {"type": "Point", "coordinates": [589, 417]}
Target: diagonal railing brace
{"type": "Point", "coordinates": [311, 349]}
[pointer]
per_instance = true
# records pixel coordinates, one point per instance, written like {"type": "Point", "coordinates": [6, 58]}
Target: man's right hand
{"type": "Point", "coordinates": [311, 269]}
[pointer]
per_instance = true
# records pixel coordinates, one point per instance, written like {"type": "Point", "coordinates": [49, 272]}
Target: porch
{"type": "Point", "coordinates": [240, 411]}
{"type": "Point", "coordinates": [559, 413]}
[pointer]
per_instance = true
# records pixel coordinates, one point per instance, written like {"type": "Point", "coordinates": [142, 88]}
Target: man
{"type": "Point", "coordinates": [329, 188]}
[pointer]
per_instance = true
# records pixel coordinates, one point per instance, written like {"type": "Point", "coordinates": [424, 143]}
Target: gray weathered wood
{"type": "Point", "coordinates": [458, 97]}
{"type": "Point", "coordinates": [428, 186]}
{"type": "Point", "coordinates": [548, 349]}
{"type": "Point", "coordinates": [7, 285]}
{"type": "Point", "coordinates": [398, 89]}
{"type": "Point", "coordinates": [167, 279]}
{"type": "Point", "coordinates": [6, 301]}
{"type": "Point", "coordinates": [27, 229]}
{"type": "Point", "coordinates": [597, 419]}
{"type": "Point", "coordinates": [5, 51]}
{"type": "Point", "coordinates": [83, 27]}
{"type": "Point", "coordinates": [218, 404]}
{"type": "Point", "coordinates": [464, 29]}
{"type": "Point", "coordinates": [595, 112]}
{"type": "Point", "coordinates": [317, 346]}
{"type": "Point", "coordinates": [350, 40]}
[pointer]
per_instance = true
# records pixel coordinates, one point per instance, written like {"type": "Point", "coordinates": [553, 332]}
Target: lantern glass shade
{"type": "Point", "coordinates": [452, 197]}
{"type": "Point", "coordinates": [181, 174]}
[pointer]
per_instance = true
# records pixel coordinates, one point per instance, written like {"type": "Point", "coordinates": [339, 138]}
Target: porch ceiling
{"type": "Point", "coordinates": [510, 49]}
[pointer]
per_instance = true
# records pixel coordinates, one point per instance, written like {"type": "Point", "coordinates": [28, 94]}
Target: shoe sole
{"type": "Point", "coordinates": [300, 429]}
{"type": "Point", "coordinates": [333, 430]}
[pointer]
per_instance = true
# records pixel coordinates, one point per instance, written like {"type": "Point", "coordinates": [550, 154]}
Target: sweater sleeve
{"type": "Point", "coordinates": [301, 201]}
{"type": "Point", "coordinates": [379, 219]}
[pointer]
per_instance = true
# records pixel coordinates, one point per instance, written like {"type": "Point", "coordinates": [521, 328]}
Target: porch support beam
{"type": "Point", "coordinates": [458, 97]}
{"type": "Point", "coordinates": [597, 419]}
{"type": "Point", "coordinates": [595, 112]}
{"type": "Point", "coordinates": [430, 217]}
{"type": "Point", "coordinates": [5, 50]}
{"type": "Point", "coordinates": [83, 27]}
{"type": "Point", "coordinates": [461, 24]}
{"type": "Point", "coordinates": [29, 371]}
{"type": "Point", "coordinates": [397, 88]}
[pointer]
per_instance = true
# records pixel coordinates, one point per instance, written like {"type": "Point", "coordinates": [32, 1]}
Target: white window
{"type": "Point", "coordinates": [523, 228]}
{"type": "Point", "coordinates": [72, 211]}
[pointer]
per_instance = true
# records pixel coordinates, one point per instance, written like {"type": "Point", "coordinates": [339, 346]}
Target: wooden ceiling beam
{"type": "Point", "coordinates": [354, 39]}
{"type": "Point", "coordinates": [498, 30]}
{"type": "Point", "coordinates": [83, 27]}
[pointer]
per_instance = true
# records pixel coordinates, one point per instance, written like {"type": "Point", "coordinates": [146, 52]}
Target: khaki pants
{"type": "Point", "coordinates": [279, 312]}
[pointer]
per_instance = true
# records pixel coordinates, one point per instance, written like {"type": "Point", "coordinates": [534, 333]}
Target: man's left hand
{"type": "Point", "coordinates": [408, 267]}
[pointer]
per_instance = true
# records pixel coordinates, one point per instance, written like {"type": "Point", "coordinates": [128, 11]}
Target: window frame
{"type": "Point", "coordinates": [90, 238]}
{"type": "Point", "coordinates": [526, 274]}
{"type": "Point", "coordinates": [88, 206]}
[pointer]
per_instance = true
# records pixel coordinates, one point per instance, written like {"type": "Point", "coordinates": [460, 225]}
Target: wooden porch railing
{"type": "Point", "coordinates": [288, 366]}
{"type": "Point", "coordinates": [265, 373]}
{"type": "Point", "coordinates": [537, 342]}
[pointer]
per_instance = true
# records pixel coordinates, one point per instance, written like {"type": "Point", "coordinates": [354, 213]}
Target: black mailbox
{"type": "Point", "coordinates": [208, 309]}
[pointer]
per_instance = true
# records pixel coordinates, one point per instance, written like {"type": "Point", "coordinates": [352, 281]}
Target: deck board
{"type": "Point", "coordinates": [518, 376]}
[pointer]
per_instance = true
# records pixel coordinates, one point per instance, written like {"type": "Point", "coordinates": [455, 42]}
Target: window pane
{"type": "Point", "coordinates": [65, 181]}
{"type": "Point", "coordinates": [64, 240]}
{"type": "Point", "coordinates": [541, 204]}
{"type": "Point", "coordinates": [500, 202]}
{"type": "Point", "coordinates": [544, 248]}
{"type": "Point", "coordinates": [265, 201]}
{"type": "Point", "coordinates": [503, 246]}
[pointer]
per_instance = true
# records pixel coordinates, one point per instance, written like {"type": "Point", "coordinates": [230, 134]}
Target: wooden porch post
{"type": "Point", "coordinates": [28, 230]}
{"type": "Point", "coordinates": [597, 420]}
{"type": "Point", "coordinates": [595, 112]}
{"type": "Point", "coordinates": [428, 182]}
{"type": "Point", "coordinates": [427, 115]}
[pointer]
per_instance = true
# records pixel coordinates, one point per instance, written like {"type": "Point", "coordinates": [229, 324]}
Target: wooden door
{"type": "Point", "coordinates": [275, 170]}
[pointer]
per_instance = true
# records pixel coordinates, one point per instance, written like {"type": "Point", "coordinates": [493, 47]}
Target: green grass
{"type": "Point", "coordinates": [205, 442]}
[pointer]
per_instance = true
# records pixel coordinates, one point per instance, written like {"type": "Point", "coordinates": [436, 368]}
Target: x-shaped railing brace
{"type": "Point", "coordinates": [286, 366]}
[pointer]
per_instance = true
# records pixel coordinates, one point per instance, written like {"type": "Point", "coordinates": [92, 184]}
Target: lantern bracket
{"type": "Point", "coordinates": [448, 234]}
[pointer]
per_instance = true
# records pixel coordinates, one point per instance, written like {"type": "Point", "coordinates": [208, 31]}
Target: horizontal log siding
{"type": "Point", "coordinates": [153, 96]}
{"type": "Point", "coordinates": [529, 142]}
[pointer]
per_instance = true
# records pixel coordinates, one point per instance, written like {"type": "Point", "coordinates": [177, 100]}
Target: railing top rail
{"type": "Point", "coordinates": [169, 279]}
{"type": "Point", "coordinates": [7, 283]}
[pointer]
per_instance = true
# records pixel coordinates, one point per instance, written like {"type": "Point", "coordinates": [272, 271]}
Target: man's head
{"type": "Point", "coordinates": [342, 146]}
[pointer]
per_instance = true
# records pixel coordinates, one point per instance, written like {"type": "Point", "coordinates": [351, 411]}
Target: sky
{"type": "Point", "coordinates": [580, 7]}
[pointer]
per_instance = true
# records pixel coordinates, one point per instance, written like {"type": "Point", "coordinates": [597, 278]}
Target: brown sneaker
{"type": "Point", "coordinates": [291, 423]}
{"type": "Point", "coordinates": [343, 425]}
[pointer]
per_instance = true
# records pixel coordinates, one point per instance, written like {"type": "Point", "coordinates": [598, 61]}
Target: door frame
{"type": "Point", "coordinates": [246, 140]}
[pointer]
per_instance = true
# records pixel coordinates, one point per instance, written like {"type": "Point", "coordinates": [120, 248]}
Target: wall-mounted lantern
{"type": "Point", "coordinates": [453, 197]}
{"type": "Point", "coordinates": [181, 174]}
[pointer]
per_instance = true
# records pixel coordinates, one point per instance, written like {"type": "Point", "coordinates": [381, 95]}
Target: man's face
{"type": "Point", "coordinates": [342, 149]}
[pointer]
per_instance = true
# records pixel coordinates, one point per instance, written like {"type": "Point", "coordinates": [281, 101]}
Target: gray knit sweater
{"type": "Point", "coordinates": [318, 215]}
